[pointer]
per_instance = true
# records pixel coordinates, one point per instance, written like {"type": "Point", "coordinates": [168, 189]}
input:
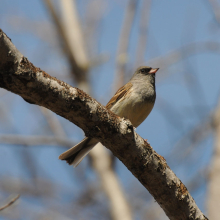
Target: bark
{"type": "Point", "coordinates": [20, 76]}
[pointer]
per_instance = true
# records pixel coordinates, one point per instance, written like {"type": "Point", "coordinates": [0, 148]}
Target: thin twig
{"type": "Point", "coordinates": [10, 203]}
{"type": "Point", "coordinates": [122, 54]}
{"type": "Point", "coordinates": [216, 9]}
{"type": "Point", "coordinates": [33, 140]}
{"type": "Point", "coordinates": [143, 31]}
{"type": "Point", "coordinates": [53, 123]}
{"type": "Point", "coordinates": [188, 142]}
{"type": "Point", "coordinates": [181, 53]}
{"type": "Point", "coordinates": [213, 203]}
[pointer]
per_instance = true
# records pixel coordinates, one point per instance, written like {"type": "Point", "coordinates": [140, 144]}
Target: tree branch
{"type": "Point", "coordinates": [78, 63]}
{"type": "Point", "coordinates": [102, 163]}
{"type": "Point", "coordinates": [214, 177]}
{"type": "Point", "coordinates": [122, 53]}
{"type": "Point", "coordinates": [20, 76]}
{"type": "Point", "coordinates": [143, 32]}
{"type": "Point", "coordinates": [10, 203]}
{"type": "Point", "coordinates": [181, 53]}
{"type": "Point", "coordinates": [33, 140]}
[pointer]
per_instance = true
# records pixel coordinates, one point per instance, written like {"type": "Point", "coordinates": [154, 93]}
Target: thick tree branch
{"type": "Point", "coordinates": [20, 76]}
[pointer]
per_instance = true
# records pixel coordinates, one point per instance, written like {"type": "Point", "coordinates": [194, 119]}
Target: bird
{"type": "Point", "coordinates": [133, 101]}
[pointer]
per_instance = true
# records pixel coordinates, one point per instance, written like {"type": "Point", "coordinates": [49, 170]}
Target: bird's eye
{"type": "Point", "coordinates": [142, 70]}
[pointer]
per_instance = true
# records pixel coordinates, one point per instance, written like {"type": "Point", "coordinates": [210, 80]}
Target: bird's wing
{"type": "Point", "coordinates": [119, 94]}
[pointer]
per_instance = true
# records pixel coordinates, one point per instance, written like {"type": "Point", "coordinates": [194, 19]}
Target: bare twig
{"type": "Point", "coordinates": [10, 203]}
{"type": "Point", "coordinates": [122, 54]}
{"type": "Point", "coordinates": [176, 55]}
{"type": "Point", "coordinates": [213, 202]}
{"type": "Point", "coordinates": [33, 140]}
{"type": "Point", "coordinates": [42, 187]}
{"type": "Point", "coordinates": [95, 11]}
{"type": "Point", "coordinates": [143, 31]}
{"type": "Point", "coordinates": [188, 142]}
{"type": "Point", "coordinates": [53, 123]}
{"type": "Point", "coordinates": [216, 9]}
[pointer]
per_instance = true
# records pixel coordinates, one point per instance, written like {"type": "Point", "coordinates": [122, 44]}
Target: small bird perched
{"type": "Point", "coordinates": [133, 101]}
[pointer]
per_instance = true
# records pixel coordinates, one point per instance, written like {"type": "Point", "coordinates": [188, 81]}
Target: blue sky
{"type": "Point", "coordinates": [187, 91]}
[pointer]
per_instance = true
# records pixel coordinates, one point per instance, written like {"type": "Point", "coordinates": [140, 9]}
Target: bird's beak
{"type": "Point", "coordinates": [153, 71]}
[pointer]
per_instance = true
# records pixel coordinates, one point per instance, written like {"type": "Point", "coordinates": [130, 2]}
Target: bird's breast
{"type": "Point", "coordinates": [136, 108]}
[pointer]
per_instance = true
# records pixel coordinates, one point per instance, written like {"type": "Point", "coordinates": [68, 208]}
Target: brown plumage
{"type": "Point", "coordinates": [119, 94]}
{"type": "Point", "coordinates": [133, 101]}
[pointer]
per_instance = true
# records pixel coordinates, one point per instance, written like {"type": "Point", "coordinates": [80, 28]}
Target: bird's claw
{"type": "Point", "coordinates": [147, 141]}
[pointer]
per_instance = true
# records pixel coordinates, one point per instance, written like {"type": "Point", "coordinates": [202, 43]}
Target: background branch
{"type": "Point", "coordinates": [214, 177]}
{"type": "Point", "coordinates": [10, 203]}
{"type": "Point", "coordinates": [33, 140]}
{"type": "Point", "coordinates": [123, 45]}
{"type": "Point", "coordinates": [75, 41]}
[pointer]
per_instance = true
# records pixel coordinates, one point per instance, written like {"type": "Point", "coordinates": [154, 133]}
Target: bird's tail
{"type": "Point", "coordinates": [74, 155]}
